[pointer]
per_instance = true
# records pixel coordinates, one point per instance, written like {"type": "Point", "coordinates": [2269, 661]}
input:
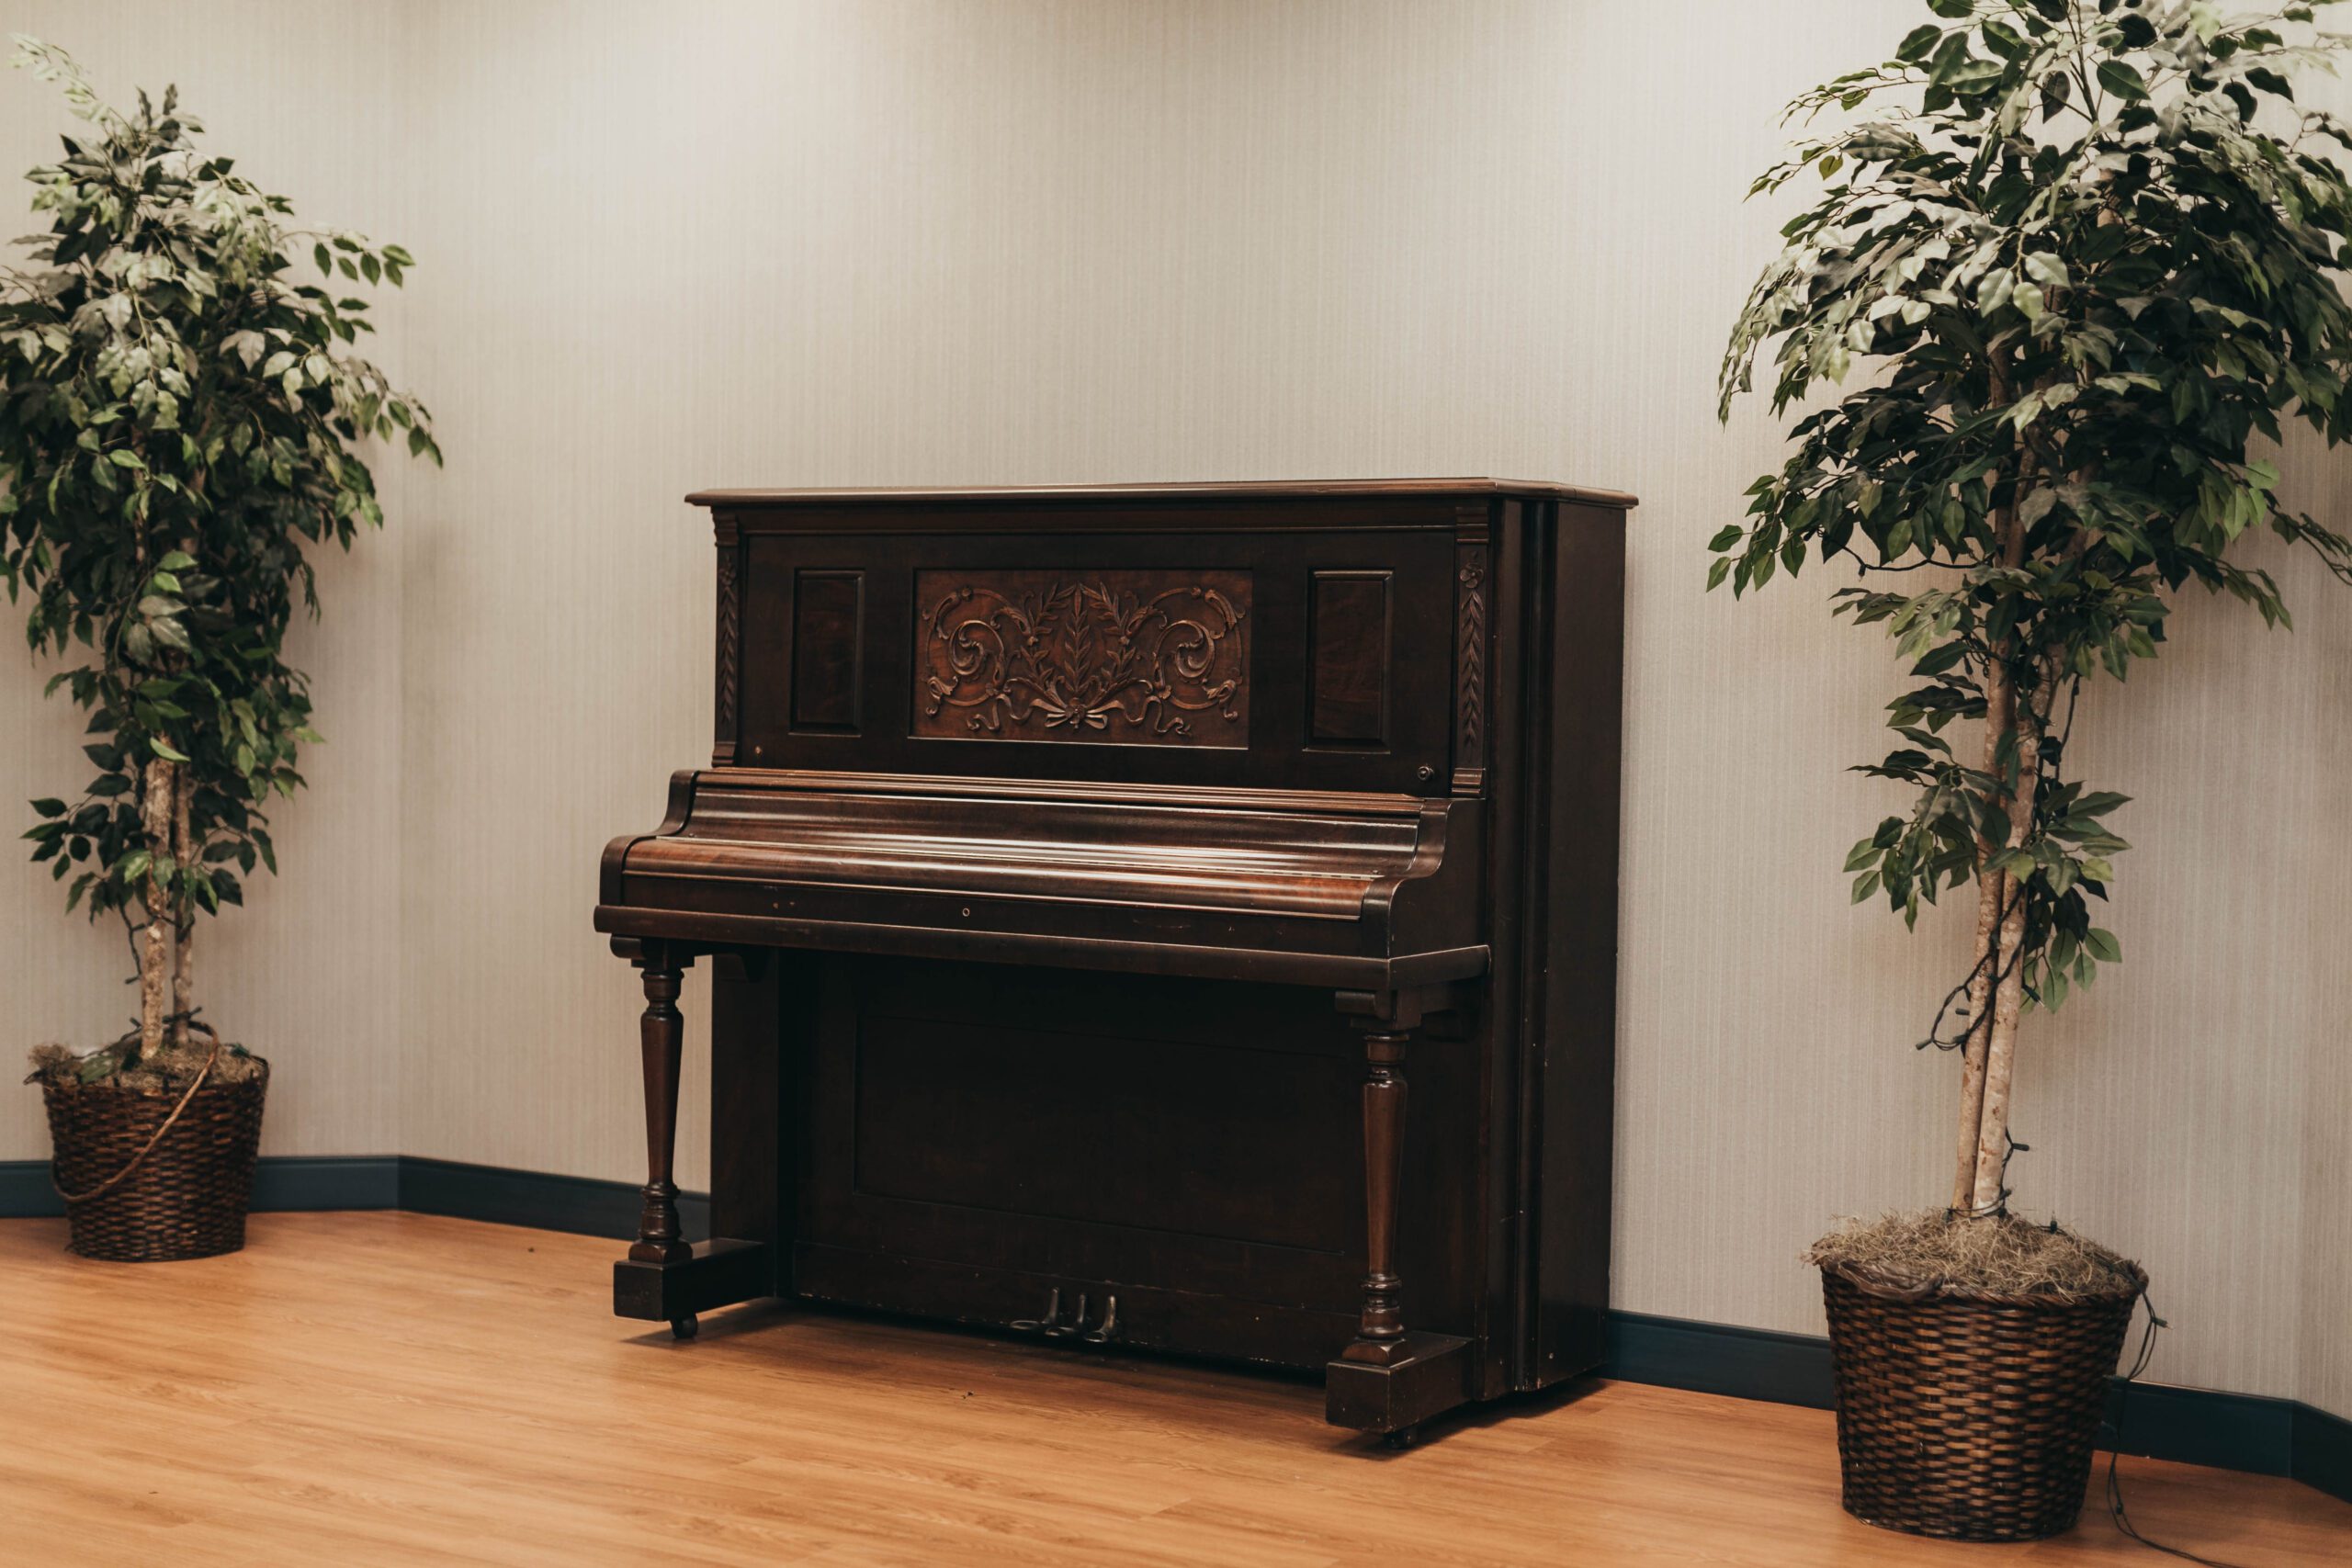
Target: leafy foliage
{"type": "Point", "coordinates": [2083, 253]}
{"type": "Point", "coordinates": [177, 415]}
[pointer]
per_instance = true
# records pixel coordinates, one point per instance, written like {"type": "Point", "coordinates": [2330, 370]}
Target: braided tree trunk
{"type": "Point", "coordinates": [158, 797]}
{"type": "Point", "coordinates": [184, 853]}
{"type": "Point", "coordinates": [2008, 993]}
{"type": "Point", "coordinates": [1997, 980]}
{"type": "Point", "coordinates": [1992, 897]}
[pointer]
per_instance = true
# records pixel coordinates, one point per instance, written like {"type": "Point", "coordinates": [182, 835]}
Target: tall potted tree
{"type": "Point", "coordinates": [178, 416]}
{"type": "Point", "coordinates": [2074, 260]}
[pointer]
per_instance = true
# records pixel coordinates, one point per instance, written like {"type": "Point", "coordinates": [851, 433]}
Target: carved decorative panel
{"type": "Point", "coordinates": [1112, 658]}
{"type": "Point", "coordinates": [728, 662]}
{"type": "Point", "coordinates": [1470, 670]}
{"type": "Point", "coordinates": [1348, 659]}
{"type": "Point", "coordinates": [828, 627]}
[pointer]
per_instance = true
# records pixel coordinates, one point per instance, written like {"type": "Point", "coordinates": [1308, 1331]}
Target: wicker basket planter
{"type": "Point", "coordinates": [184, 1197]}
{"type": "Point", "coordinates": [1967, 1414]}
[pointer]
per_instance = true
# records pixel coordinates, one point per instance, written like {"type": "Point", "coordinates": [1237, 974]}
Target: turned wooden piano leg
{"type": "Point", "coordinates": [1389, 1379]}
{"type": "Point", "coordinates": [663, 1032]}
{"type": "Point", "coordinates": [1380, 1332]}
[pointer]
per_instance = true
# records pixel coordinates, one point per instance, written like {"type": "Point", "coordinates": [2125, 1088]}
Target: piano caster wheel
{"type": "Point", "coordinates": [684, 1327]}
{"type": "Point", "coordinates": [1404, 1437]}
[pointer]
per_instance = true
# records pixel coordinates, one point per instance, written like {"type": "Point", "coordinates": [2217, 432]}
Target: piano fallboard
{"type": "Point", "coordinates": [1350, 891]}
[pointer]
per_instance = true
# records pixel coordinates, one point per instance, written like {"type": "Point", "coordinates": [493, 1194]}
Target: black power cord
{"type": "Point", "coordinates": [2115, 1508]}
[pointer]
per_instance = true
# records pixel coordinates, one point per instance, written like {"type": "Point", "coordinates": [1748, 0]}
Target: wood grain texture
{"type": "Point", "coordinates": [1066, 242]}
{"type": "Point", "coordinates": [384, 1389]}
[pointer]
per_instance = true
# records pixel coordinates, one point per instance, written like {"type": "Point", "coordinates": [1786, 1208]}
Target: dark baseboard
{"type": "Point", "coordinates": [282, 1184]}
{"type": "Point", "coordinates": [1713, 1357]}
{"type": "Point", "coordinates": [2196, 1425]}
{"type": "Point", "coordinates": [2323, 1445]}
{"type": "Point", "coordinates": [578, 1204]}
{"type": "Point", "coordinates": [292, 1182]}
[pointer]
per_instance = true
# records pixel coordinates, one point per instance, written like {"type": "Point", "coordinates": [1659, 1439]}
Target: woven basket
{"type": "Point", "coordinates": [185, 1198]}
{"type": "Point", "coordinates": [1968, 1415]}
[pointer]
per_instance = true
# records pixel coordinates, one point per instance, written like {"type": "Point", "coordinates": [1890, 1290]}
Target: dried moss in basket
{"type": "Point", "coordinates": [1999, 1253]}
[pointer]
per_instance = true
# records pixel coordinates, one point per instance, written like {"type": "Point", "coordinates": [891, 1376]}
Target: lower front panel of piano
{"type": "Point", "coordinates": [1076, 1312]}
{"type": "Point", "coordinates": [1023, 1148]}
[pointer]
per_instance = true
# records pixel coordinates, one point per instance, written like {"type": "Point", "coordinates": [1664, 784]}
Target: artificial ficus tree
{"type": "Point", "coordinates": [2074, 264]}
{"type": "Point", "coordinates": [178, 415]}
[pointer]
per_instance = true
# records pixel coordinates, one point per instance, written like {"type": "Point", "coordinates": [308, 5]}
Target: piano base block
{"type": "Point", "coordinates": [1430, 1376]}
{"type": "Point", "coordinates": [720, 1273]}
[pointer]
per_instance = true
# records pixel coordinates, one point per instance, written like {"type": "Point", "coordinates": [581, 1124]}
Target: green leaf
{"type": "Point", "coordinates": [2119, 77]}
{"type": "Point", "coordinates": [2103, 946]}
{"type": "Point", "coordinates": [1941, 660]}
{"type": "Point", "coordinates": [2046, 269]}
{"type": "Point", "coordinates": [163, 748]}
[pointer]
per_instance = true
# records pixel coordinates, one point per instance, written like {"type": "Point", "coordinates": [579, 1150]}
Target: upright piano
{"type": "Point", "coordinates": [1084, 876]}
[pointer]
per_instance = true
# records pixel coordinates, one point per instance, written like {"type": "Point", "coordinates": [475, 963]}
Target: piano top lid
{"type": "Point", "coordinates": [1272, 490]}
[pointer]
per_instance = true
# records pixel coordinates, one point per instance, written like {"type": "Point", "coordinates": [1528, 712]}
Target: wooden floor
{"type": "Point", "coordinates": [383, 1388]}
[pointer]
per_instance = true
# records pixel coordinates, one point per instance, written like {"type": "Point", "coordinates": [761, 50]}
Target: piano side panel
{"type": "Point", "coordinates": [1251, 657]}
{"type": "Point", "coordinates": [1578, 1015]}
{"type": "Point", "coordinates": [1510, 758]}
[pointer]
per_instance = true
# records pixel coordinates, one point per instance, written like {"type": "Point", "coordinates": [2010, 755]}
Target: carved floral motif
{"type": "Point", "coordinates": [1105, 657]}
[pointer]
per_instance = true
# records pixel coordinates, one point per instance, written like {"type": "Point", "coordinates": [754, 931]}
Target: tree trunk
{"type": "Point", "coordinates": [1998, 977]}
{"type": "Point", "coordinates": [1992, 892]}
{"type": "Point", "coordinates": [184, 928]}
{"type": "Point", "coordinates": [2008, 997]}
{"type": "Point", "coordinates": [155, 938]}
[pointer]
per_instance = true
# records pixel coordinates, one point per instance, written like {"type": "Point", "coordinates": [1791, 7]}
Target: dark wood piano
{"type": "Point", "coordinates": [1084, 873]}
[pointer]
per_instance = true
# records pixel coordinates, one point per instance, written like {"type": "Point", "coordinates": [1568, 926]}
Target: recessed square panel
{"type": "Point", "coordinates": [1347, 684]}
{"type": "Point", "coordinates": [828, 626]}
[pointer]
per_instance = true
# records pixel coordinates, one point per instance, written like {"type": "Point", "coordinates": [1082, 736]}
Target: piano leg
{"type": "Point", "coordinates": [662, 1035]}
{"type": "Point", "coordinates": [664, 1278]}
{"type": "Point", "coordinates": [1379, 1333]}
{"type": "Point", "coordinates": [1388, 1380]}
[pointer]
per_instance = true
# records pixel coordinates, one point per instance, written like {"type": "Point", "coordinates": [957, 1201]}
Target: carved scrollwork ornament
{"type": "Point", "coordinates": [1034, 656]}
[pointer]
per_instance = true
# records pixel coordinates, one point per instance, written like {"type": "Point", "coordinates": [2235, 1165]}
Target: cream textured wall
{"type": "Point", "coordinates": [309, 973]}
{"type": "Point", "coordinates": [892, 242]}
